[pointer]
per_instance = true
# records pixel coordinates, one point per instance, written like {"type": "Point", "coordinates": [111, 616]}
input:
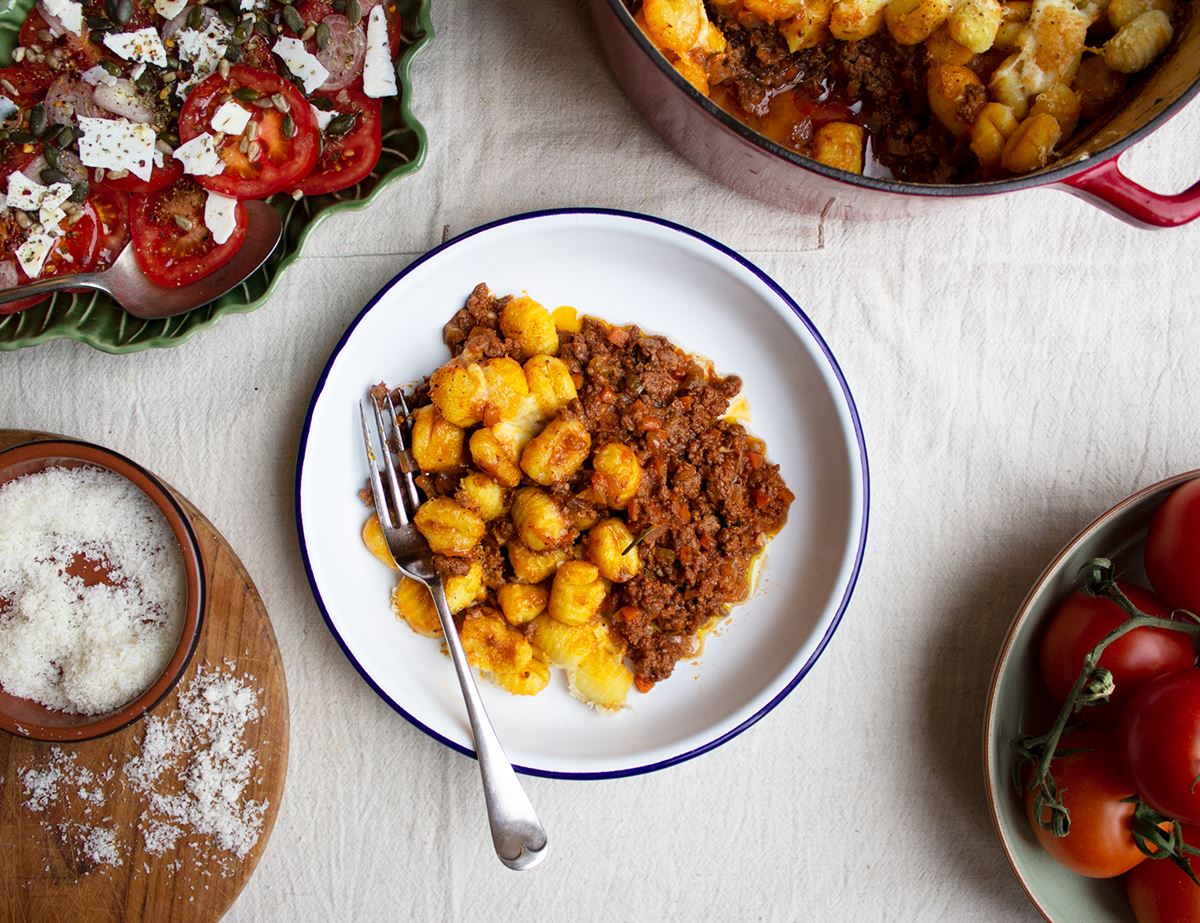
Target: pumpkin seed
{"type": "Point", "coordinates": [323, 35]}
{"type": "Point", "coordinates": [22, 137]}
{"type": "Point", "coordinates": [294, 20]}
{"type": "Point", "coordinates": [228, 16]}
{"type": "Point", "coordinates": [145, 82]}
{"type": "Point", "coordinates": [110, 8]}
{"type": "Point", "coordinates": [185, 223]}
{"type": "Point", "coordinates": [247, 94]}
{"type": "Point", "coordinates": [242, 33]}
{"type": "Point", "coordinates": [66, 137]}
{"type": "Point", "coordinates": [266, 28]}
{"type": "Point", "coordinates": [3, 134]}
{"type": "Point", "coordinates": [339, 6]}
{"type": "Point", "coordinates": [124, 11]}
{"type": "Point", "coordinates": [170, 137]}
{"type": "Point", "coordinates": [51, 175]}
{"type": "Point", "coordinates": [112, 68]}
{"type": "Point", "coordinates": [233, 54]}
{"type": "Point", "coordinates": [342, 124]}
{"type": "Point", "coordinates": [37, 119]}
{"type": "Point", "coordinates": [288, 127]}
{"type": "Point", "coordinates": [353, 11]}
{"type": "Point", "coordinates": [195, 17]}
{"type": "Point", "coordinates": [322, 102]}
{"type": "Point", "coordinates": [79, 192]}
{"type": "Point", "coordinates": [50, 152]}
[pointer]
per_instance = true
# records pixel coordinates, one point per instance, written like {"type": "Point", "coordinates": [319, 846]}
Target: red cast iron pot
{"type": "Point", "coordinates": [738, 156]}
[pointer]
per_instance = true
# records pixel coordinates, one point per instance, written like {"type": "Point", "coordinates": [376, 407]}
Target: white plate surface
{"type": "Point", "coordinates": [670, 280]}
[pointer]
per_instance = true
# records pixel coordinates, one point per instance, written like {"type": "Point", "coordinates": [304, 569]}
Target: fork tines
{"type": "Point", "coordinates": [394, 504]}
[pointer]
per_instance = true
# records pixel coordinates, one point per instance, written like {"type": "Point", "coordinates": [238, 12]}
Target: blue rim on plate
{"type": "Point", "coordinates": [859, 438]}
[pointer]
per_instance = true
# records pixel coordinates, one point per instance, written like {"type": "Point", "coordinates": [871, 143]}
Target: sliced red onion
{"type": "Point", "coordinates": [123, 98]}
{"type": "Point", "coordinates": [56, 25]}
{"type": "Point", "coordinates": [8, 274]}
{"type": "Point", "coordinates": [68, 165]}
{"type": "Point", "coordinates": [343, 54]}
{"type": "Point", "coordinates": [68, 99]}
{"type": "Point", "coordinates": [176, 23]}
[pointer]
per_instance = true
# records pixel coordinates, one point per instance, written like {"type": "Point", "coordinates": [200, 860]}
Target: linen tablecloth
{"type": "Point", "coordinates": [1020, 364]}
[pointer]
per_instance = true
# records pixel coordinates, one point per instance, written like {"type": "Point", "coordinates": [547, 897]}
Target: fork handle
{"type": "Point", "coordinates": [517, 834]}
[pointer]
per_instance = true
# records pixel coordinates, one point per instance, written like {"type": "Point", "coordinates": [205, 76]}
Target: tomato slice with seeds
{"type": "Point", "coordinates": [317, 10]}
{"type": "Point", "coordinates": [273, 161]}
{"type": "Point", "coordinates": [160, 177]}
{"type": "Point", "coordinates": [76, 251]}
{"type": "Point", "coordinates": [348, 158]}
{"type": "Point", "coordinates": [112, 212]}
{"type": "Point", "coordinates": [25, 82]}
{"type": "Point", "coordinates": [170, 240]}
{"type": "Point", "coordinates": [256, 53]}
{"type": "Point", "coordinates": [75, 54]}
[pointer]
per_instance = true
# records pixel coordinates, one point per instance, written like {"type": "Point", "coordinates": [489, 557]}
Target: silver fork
{"type": "Point", "coordinates": [517, 834]}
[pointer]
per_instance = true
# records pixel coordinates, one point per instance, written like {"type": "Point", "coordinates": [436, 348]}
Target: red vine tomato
{"type": "Point", "coordinates": [1092, 786]}
{"type": "Point", "coordinates": [1159, 738]}
{"type": "Point", "coordinates": [1173, 548]}
{"type": "Point", "coordinates": [1081, 622]}
{"type": "Point", "coordinates": [1160, 892]}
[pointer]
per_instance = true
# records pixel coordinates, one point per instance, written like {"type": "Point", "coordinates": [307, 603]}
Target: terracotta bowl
{"type": "Point", "coordinates": [738, 156]}
{"type": "Point", "coordinates": [1017, 705]}
{"type": "Point", "coordinates": [26, 718]}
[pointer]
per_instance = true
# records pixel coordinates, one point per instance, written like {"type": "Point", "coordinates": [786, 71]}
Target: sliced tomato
{"type": "Point", "coordinates": [256, 53]}
{"type": "Point", "coordinates": [160, 177]}
{"type": "Point", "coordinates": [25, 82]}
{"type": "Point", "coordinates": [348, 158]}
{"type": "Point", "coordinates": [112, 211]}
{"type": "Point", "coordinates": [317, 10]}
{"type": "Point", "coordinates": [76, 251]}
{"type": "Point", "coordinates": [280, 161]}
{"type": "Point", "coordinates": [75, 53]}
{"type": "Point", "coordinates": [171, 242]}
{"type": "Point", "coordinates": [14, 157]}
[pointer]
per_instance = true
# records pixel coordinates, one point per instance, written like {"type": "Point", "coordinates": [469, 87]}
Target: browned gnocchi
{"type": "Point", "coordinates": [531, 504]}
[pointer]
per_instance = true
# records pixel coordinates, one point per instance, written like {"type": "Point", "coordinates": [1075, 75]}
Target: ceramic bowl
{"type": "Point", "coordinates": [670, 280]}
{"type": "Point", "coordinates": [1016, 706]}
{"type": "Point", "coordinates": [97, 320]}
{"type": "Point", "coordinates": [26, 718]}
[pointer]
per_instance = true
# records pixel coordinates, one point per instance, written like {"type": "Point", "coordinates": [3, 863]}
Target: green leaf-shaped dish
{"type": "Point", "coordinates": [97, 320]}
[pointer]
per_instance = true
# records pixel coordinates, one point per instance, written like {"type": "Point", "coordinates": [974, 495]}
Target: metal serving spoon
{"type": "Point", "coordinates": [125, 282]}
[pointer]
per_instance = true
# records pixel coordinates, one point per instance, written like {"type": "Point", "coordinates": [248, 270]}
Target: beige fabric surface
{"type": "Point", "coordinates": [1020, 364]}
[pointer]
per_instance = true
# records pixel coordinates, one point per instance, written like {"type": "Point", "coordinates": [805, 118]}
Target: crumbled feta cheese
{"type": "Point", "coordinates": [299, 61]}
{"type": "Point", "coordinates": [323, 117]}
{"type": "Point", "coordinates": [247, 5]}
{"type": "Point", "coordinates": [117, 144]}
{"type": "Point", "coordinates": [379, 76]}
{"type": "Point", "coordinates": [24, 193]}
{"type": "Point", "coordinates": [68, 12]}
{"type": "Point", "coordinates": [51, 217]}
{"type": "Point", "coordinates": [55, 195]}
{"type": "Point", "coordinates": [7, 109]}
{"type": "Point", "coordinates": [169, 9]}
{"type": "Point", "coordinates": [143, 46]}
{"type": "Point", "coordinates": [94, 76]}
{"type": "Point", "coordinates": [230, 118]}
{"type": "Point", "coordinates": [199, 157]}
{"type": "Point", "coordinates": [32, 254]}
{"type": "Point", "coordinates": [203, 49]}
{"type": "Point", "coordinates": [220, 216]}
{"type": "Point", "coordinates": [136, 71]}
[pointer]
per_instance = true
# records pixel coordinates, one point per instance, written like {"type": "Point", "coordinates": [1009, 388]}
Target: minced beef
{"type": "Point", "coordinates": [708, 499]}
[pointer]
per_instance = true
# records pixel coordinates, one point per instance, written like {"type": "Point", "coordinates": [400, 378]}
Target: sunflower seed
{"type": "Point", "coordinates": [253, 151]}
{"type": "Point", "coordinates": [323, 35]}
{"type": "Point", "coordinates": [223, 69]}
{"type": "Point", "coordinates": [45, 35]}
{"type": "Point", "coordinates": [309, 31]}
{"type": "Point", "coordinates": [18, 54]}
{"type": "Point", "coordinates": [51, 175]}
{"type": "Point", "coordinates": [244, 144]}
{"type": "Point", "coordinates": [166, 149]}
{"type": "Point", "coordinates": [52, 58]}
{"type": "Point", "coordinates": [264, 103]}
{"type": "Point", "coordinates": [169, 77]}
{"type": "Point", "coordinates": [247, 94]}
{"type": "Point", "coordinates": [76, 217]}
{"type": "Point", "coordinates": [297, 194]}
{"type": "Point", "coordinates": [100, 174]}
{"type": "Point", "coordinates": [7, 84]}
{"type": "Point", "coordinates": [184, 223]}
{"type": "Point", "coordinates": [22, 219]}
{"type": "Point", "coordinates": [218, 138]}
{"type": "Point", "coordinates": [278, 101]}
{"type": "Point", "coordinates": [117, 174]}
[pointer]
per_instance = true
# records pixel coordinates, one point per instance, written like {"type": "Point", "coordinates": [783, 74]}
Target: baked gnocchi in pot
{"type": "Point", "coordinates": [906, 89]}
{"type": "Point", "coordinates": [588, 503]}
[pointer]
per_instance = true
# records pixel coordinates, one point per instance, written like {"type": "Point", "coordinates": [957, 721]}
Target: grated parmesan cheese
{"type": "Point", "coordinates": [85, 649]}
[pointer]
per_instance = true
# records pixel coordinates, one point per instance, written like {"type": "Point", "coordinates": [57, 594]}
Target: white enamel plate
{"type": "Point", "coordinates": [669, 280]}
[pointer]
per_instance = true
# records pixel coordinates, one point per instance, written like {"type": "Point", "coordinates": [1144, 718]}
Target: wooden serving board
{"type": "Point", "coordinates": [46, 877]}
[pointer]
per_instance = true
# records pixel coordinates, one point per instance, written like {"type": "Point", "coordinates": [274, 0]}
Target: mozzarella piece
{"type": "Point", "coordinates": [203, 49]}
{"type": "Point", "coordinates": [143, 46]}
{"type": "Point", "coordinates": [231, 118]}
{"type": "Point", "coordinates": [169, 9]}
{"type": "Point", "coordinates": [68, 12]}
{"type": "Point", "coordinates": [291, 51]}
{"type": "Point", "coordinates": [199, 156]}
{"type": "Point", "coordinates": [323, 118]}
{"type": "Point", "coordinates": [94, 76]}
{"type": "Point", "coordinates": [220, 216]}
{"type": "Point", "coordinates": [379, 76]}
{"type": "Point", "coordinates": [117, 144]}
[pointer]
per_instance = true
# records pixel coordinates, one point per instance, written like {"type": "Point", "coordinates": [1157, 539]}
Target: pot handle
{"type": "Point", "coordinates": [1105, 186]}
